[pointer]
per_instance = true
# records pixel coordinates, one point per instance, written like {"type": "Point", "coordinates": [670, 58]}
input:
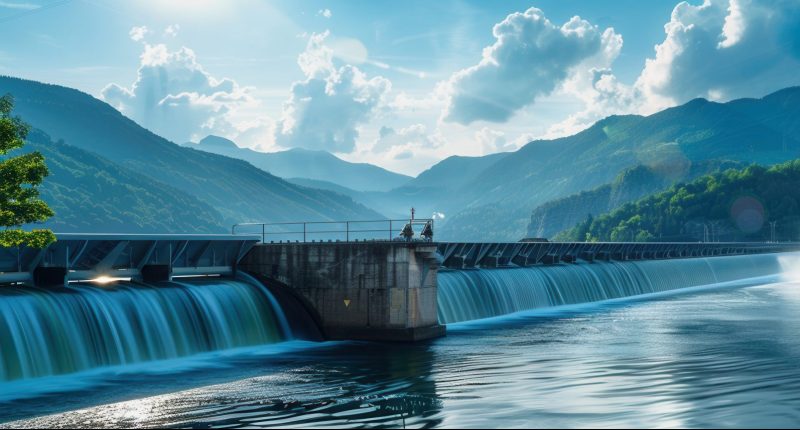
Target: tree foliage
{"type": "Point", "coordinates": [20, 176]}
{"type": "Point", "coordinates": [737, 204]}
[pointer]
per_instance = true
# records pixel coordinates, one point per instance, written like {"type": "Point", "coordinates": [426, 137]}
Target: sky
{"type": "Point", "coordinates": [398, 84]}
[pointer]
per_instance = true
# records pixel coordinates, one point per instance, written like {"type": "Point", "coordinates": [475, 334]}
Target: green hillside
{"type": "Point", "coordinates": [236, 189]}
{"type": "Point", "coordinates": [763, 131]}
{"type": "Point", "coordinates": [91, 194]}
{"type": "Point", "coordinates": [733, 205]}
{"type": "Point", "coordinates": [632, 184]}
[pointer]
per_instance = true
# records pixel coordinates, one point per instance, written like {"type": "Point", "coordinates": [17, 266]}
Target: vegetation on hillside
{"type": "Point", "coordinates": [630, 185]}
{"type": "Point", "coordinates": [92, 194]}
{"type": "Point", "coordinates": [732, 205]}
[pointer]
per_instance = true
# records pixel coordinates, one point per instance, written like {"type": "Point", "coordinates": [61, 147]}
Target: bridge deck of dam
{"type": "Point", "coordinates": [86, 256]}
{"type": "Point", "coordinates": [466, 255]}
{"type": "Point", "coordinates": [477, 254]}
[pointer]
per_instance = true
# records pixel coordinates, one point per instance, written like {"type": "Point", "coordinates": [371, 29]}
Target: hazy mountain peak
{"type": "Point", "coordinates": [217, 142]}
{"type": "Point", "coordinates": [317, 165]}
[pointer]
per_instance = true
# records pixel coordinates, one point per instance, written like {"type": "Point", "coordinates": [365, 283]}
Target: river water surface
{"type": "Point", "coordinates": [720, 358]}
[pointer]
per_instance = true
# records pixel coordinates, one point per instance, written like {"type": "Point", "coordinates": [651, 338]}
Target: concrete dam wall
{"type": "Point", "coordinates": [358, 290]}
{"type": "Point", "coordinates": [407, 291]}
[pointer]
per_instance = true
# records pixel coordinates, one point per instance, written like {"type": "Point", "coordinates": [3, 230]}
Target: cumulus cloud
{"type": "Point", "coordinates": [325, 13]}
{"type": "Point", "coordinates": [138, 33]}
{"type": "Point", "coordinates": [602, 95]}
{"type": "Point", "coordinates": [176, 98]}
{"type": "Point", "coordinates": [723, 49]}
{"type": "Point", "coordinates": [530, 58]}
{"type": "Point", "coordinates": [325, 110]}
{"type": "Point", "coordinates": [719, 50]}
{"type": "Point", "coordinates": [492, 141]}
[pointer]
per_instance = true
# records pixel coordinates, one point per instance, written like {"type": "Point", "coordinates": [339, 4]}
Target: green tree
{"type": "Point", "coordinates": [19, 176]}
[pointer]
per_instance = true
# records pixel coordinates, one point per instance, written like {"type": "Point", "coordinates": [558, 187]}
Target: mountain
{"type": "Point", "coordinates": [236, 189]}
{"type": "Point", "coordinates": [763, 131]}
{"type": "Point", "coordinates": [91, 194]}
{"type": "Point", "coordinates": [735, 205]}
{"type": "Point", "coordinates": [455, 171]}
{"type": "Point", "coordinates": [632, 184]}
{"type": "Point", "coordinates": [427, 193]}
{"type": "Point", "coordinates": [304, 163]}
{"type": "Point", "coordinates": [325, 185]}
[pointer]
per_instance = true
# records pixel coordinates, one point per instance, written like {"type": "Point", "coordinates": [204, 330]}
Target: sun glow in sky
{"type": "Point", "coordinates": [399, 84]}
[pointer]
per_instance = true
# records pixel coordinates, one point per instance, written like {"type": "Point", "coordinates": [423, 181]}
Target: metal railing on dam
{"type": "Point", "coordinates": [347, 231]}
{"type": "Point", "coordinates": [465, 255]}
{"type": "Point", "coordinates": [473, 254]}
{"type": "Point", "coordinates": [78, 256]}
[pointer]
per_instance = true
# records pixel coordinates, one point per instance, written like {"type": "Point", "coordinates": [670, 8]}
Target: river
{"type": "Point", "coordinates": [724, 357]}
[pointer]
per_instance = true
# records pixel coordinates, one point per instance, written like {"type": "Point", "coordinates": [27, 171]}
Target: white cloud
{"type": "Point", "coordinates": [602, 95]}
{"type": "Point", "coordinates": [492, 141]}
{"type": "Point", "coordinates": [138, 33]}
{"type": "Point", "coordinates": [530, 58]}
{"type": "Point", "coordinates": [177, 99]}
{"type": "Point", "coordinates": [723, 50]}
{"type": "Point", "coordinates": [719, 50]}
{"type": "Point", "coordinates": [172, 30]}
{"type": "Point", "coordinates": [325, 13]}
{"type": "Point", "coordinates": [325, 110]}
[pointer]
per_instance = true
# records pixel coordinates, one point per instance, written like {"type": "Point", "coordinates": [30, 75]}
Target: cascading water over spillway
{"type": "Point", "coordinates": [85, 326]}
{"type": "Point", "coordinates": [474, 294]}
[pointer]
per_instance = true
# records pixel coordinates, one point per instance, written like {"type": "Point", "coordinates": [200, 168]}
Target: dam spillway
{"type": "Point", "coordinates": [390, 289]}
{"type": "Point", "coordinates": [408, 290]}
{"type": "Point", "coordinates": [465, 295]}
{"type": "Point", "coordinates": [47, 332]}
{"type": "Point", "coordinates": [244, 293]}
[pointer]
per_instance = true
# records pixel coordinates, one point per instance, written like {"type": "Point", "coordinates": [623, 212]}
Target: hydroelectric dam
{"type": "Point", "coordinates": [215, 291]}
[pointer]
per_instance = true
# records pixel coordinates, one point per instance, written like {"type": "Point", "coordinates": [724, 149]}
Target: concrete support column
{"type": "Point", "coordinates": [383, 291]}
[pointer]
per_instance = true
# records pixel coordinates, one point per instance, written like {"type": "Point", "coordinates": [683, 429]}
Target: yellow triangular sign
{"type": "Point", "coordinates": [346, 303]}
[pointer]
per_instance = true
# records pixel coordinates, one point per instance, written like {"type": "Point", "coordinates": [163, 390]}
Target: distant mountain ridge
{"type": "Point", "coordinates": [308, 164]}
{"type": "Point", "coordinates": [482, 198]}
{"type": "Point", "coordinates": [237, 190]}
{"type": "Point", "coordinates": [763, 131]}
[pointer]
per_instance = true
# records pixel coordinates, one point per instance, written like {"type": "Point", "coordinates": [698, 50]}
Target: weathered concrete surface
{"type": "Point", "coordinates": [363, 290]}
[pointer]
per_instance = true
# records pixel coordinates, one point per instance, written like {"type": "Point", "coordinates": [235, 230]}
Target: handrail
{"type": "Point", "coordinates": [347, 233]}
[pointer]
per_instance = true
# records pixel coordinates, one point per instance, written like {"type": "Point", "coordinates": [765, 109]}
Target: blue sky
{"type": "Point", "coordinates": [399, 84]}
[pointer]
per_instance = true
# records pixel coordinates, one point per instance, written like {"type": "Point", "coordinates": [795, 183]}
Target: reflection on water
{"type": "Point", "coordinates": [728, 358]}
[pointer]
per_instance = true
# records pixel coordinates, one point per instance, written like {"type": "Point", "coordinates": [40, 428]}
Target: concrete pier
{"type": "Point", "coordinates": [383, 291]}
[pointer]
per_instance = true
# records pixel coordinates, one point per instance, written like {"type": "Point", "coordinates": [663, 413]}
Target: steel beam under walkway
{"type": "Point", "coordinates": [79, 257]}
